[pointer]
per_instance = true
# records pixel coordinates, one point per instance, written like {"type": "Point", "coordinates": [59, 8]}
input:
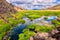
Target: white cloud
{"type": "Point", "coordinates": [46, 0]}
{"type": "Point", "coordinates": [45, 3]}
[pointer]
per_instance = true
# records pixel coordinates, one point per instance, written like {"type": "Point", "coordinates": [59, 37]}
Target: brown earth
{"type": "Point", "coordinates": [57, 7]}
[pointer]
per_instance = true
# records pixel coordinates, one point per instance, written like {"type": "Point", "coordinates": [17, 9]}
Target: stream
{"type": "Point", "coordinates": [14, 34]}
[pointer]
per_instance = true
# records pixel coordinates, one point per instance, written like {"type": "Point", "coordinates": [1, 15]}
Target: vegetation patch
{"type": "Point", "coordinates": [8, 22]}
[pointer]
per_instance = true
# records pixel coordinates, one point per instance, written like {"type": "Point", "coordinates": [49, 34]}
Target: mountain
{"type": "Point", "coordinates": [6, 7]}
{"type": "Point", "coordinates": [18, 8]}
{"type": "Point", "coordinates": [57, 7]}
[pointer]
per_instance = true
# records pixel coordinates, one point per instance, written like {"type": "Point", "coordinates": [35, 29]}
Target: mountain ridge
{"type": "Point", "coordinates": [57, 7]}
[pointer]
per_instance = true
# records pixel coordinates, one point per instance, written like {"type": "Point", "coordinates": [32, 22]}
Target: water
{"type": "Point", "coordinates": [34, 4]}
{"type": "Point", "coordinates": [17, 30]}
{"type": "Point", "coordinates": [51, 18]}
{"type": "Point", "coordinates": [20, 27]}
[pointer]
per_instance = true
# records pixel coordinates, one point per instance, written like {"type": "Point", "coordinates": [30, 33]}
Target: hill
{"type": "Point", "coordinates": [5, 7]}
{"type": "Point", "coordinates": [57, 7]}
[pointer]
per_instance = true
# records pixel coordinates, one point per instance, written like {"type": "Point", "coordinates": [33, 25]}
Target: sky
{"type": "Point", "coordinates": [34, 4]}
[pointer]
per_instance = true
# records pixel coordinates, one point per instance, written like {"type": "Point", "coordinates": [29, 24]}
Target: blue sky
{"type": "Point", "coordinates": [57, 1]}
{"type": "Point", "coordinates": [34, 4]}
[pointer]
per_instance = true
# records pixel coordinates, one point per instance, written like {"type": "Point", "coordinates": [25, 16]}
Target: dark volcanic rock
{"type": "Point", "coordinates": [6, 7]}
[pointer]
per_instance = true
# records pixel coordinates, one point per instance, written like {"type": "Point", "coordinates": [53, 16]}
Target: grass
{"type": "Point", "coordinates": [30, 30]}
{"type": "Point", "coordinates": [11, 20]}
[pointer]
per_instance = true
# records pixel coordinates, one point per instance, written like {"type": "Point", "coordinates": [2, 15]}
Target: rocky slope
{"type": "Point", "coordinates": [5, 7]}
{"type": "Point", "coordinates": [57, 7]}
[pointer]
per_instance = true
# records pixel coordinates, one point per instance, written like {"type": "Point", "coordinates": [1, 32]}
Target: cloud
{"type": "Point", "coordinates": [33, 4]}
{"type": "Point", "coordinates": [46, 0]}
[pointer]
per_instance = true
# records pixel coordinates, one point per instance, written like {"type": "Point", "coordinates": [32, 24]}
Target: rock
{"type": "Point", "coordinates": [50, 38]}
{"type": "Point", "coordinates": [58, 28]}
{"type": "Point", "coordinates": [31, 38]}
{"type": "Point", "coordinates": [6, 7]}
{"type": "Point", "coordinates": [58, 19]}
{"type": "Point", "coordinates": [56, 33]}
{"type": "Point", "coordinates": [41, 36]}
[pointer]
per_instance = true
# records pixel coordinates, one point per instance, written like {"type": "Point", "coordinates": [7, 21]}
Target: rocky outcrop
{"type": "Point", "coordinates": [41, 36]}
{"type": "Point", "coordinates": [56, 33]}
{"type": "Point", "coordinates": [53, 35]}
{"type": "Point", "coordinates": [5, 7]}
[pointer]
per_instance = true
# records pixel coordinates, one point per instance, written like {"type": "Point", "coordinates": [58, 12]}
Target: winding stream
{"type": "Point", "coordinates": [20, 27]}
